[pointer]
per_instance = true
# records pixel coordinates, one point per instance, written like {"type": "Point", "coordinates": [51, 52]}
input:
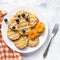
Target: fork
{"type": "Point", "coordinates": [54, 32]}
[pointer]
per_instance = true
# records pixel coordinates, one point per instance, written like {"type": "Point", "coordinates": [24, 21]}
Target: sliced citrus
{"type": "Point", "coordinates": [40, 27]}
{"type": "Point", "coordinates": [32, 34]}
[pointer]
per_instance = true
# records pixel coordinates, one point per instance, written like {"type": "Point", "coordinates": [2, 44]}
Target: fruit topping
{"type": "Point", "coordinates": [23, 15]}
{"type": "Point", "coordinates": [6, 20]}
{"type": "Point", "coordinates": [32, 34]}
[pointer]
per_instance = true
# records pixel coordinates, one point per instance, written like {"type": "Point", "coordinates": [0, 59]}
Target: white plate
{"type": "Point", "coordinates": [42, 38]}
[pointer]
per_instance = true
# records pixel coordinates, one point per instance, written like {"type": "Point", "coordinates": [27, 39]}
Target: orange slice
{"type": "Point", "coordinates": [32, 34]}
{"type": "Point", "coordinates": [40, 27]}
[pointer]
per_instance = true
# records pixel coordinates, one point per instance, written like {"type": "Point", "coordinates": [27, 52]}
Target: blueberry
{"type": "Point", "coordinates": [13, 27]}
{"type": "Point", "coordinates": [23, 30]}
{"type": "Point", "coordinates": [6, 20]}
{"type": "Point", "coordinates": [18, 16]}
{"type": "Point", "coordinates": [23, 15]}
{"type": "Point", "coordinates": [27, 19]}
{"type": "Point", "coordinates": [17, 20]}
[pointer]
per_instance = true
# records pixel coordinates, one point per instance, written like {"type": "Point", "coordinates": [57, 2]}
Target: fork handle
{"type": "Point", "coordinates": [47, 49]}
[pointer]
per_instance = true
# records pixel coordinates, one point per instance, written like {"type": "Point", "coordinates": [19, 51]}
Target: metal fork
{"type": "Point", "coordinates": [54, 32]}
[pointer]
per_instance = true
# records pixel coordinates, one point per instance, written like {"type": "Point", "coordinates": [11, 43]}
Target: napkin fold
{"type": "Point", "coordinates": [5, 52]}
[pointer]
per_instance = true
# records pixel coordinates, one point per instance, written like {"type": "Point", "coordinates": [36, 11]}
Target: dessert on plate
{"type": "Point", "coordinates": [24, 29]}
